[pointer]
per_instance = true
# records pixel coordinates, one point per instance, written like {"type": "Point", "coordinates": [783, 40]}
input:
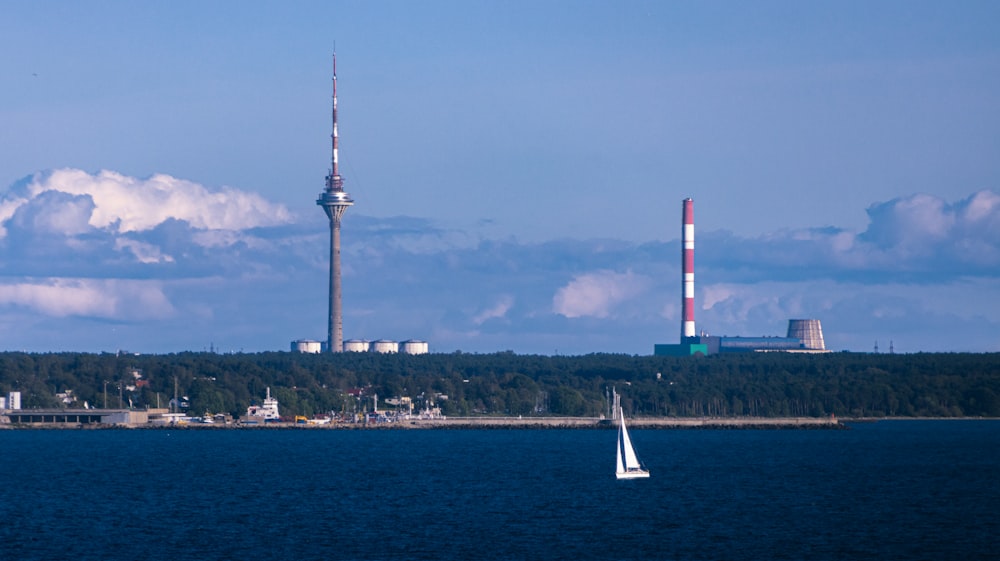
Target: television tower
{"type": "Point", "coordinates": [335, 201]}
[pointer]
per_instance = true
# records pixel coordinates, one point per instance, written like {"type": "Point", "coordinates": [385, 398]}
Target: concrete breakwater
{"type": "Point", "coordinates": [639, 423]}
{"type": "Point", "coordinates": [583, 423]}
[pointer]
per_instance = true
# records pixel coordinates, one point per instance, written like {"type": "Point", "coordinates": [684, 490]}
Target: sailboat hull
{"type": "Point", "coordinates": [638, 474]}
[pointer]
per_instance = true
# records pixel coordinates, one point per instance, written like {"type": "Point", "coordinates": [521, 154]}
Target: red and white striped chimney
{"type": "Point", "coordinates": [687, 255]}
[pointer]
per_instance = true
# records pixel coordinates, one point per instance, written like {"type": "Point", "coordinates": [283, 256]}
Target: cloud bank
{"type": "Point", "coordinates": [71, 201]}
{"type": "Point", "coordinates": [100, 262]}
{"type": "Point", "coordinates": [597, 294]}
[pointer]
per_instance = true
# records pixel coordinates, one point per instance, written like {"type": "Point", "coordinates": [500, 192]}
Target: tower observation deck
{"type": "Point", "coordinates": [334, 201]}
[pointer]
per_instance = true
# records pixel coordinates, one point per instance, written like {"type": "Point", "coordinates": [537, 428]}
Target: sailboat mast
{"type": "Point", "coordinates": [619, 466]}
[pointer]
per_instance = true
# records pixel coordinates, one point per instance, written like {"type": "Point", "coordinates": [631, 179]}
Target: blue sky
{"type": "Point", "coordinates": [517, 167]}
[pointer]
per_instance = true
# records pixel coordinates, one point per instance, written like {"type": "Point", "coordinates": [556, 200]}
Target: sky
{"type": "Point", "coordinates": [517, 169]}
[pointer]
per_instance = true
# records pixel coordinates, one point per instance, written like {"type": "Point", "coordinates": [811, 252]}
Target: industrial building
{"type": "Point", "coordinates": [74, 417]}
{"type": "Point", "coordinates": [12, 401]}
{"type": "Point", "coordinates": [804, 335]}
{"type": "Point", "coordinates": [12, 414]}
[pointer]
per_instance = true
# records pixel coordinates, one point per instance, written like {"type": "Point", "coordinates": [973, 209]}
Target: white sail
{"type": "Point", "coordinates": [627, 463]}
{"type": "Point", "coordinates": [631, 461]}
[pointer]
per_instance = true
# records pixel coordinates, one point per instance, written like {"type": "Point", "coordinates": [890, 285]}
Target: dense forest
{"type": "Point", "coordinates": [751, 384]}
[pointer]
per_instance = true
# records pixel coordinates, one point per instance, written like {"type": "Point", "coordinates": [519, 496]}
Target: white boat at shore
{"type": "Point", "coordinates": [266, 412]}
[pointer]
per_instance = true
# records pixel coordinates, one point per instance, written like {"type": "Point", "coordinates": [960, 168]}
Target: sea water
{"type": "Point", "coordinates": [886, 490]}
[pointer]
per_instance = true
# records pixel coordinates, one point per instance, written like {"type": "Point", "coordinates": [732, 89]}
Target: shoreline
{"type": "Point", "coordinates": [483, 423]}
{"type": "Point", "coordinates": [530, 423]}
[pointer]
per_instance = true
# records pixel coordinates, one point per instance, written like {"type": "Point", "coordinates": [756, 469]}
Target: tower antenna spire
{"type": "Point", "coordinates": [334, 182]}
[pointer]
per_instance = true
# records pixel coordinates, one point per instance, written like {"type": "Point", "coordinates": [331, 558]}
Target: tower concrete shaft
{"type": "Point", "coordinates": [687, 270]}
{"type": "Point", "coordinates": [335, 201]}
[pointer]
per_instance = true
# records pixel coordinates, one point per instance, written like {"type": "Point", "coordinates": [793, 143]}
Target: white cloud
{"type": "Point", "coordinates": [126, 204]}
{"type": "Point", "coordinates": [498, 310]}
{"type": "Point", "coordinates": [670, 310]}
{"type": "Point", "coordinates": [143, 252]}
{"type": "Point", "coordinates": [71, 223]}
{"type": "Point", "coordinates": [984, 206]}
{"type": "Point", "coordinates": [8, 206]}
{"type": "Point", "coordinates": [57, 213]}
{"type": "Point", "coordinates": [107, 299]}
{"type": "Point", "coordinates": [735, 304]}
{"type": "Point", "coordinates": [927, 228]}
{"type": "Point", "coordinates": [596, 294]}
{"type": "Point", "coordinates": [92, 237]}
{"type": "Point", "coordinates": [714, 294]}
{"type": "Point", "coordinates": [913, 235]}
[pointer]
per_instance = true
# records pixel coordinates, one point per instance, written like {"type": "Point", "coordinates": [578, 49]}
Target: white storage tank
{"type": "Point", "coordinates": [356, 346]}
{"type": "Point", "coordinates": [306, 346]}
{"type": "Point", "coordinates": [385, 346]}
{"type": "Point", "coordinates": [413, 347]}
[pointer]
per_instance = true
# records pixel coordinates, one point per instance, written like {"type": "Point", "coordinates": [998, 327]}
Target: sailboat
{"type": "Point", "coordinates": [627, 463]}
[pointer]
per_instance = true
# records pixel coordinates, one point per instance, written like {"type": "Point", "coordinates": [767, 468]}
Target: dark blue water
{"type": "Point", "coordinates": [889, 490]}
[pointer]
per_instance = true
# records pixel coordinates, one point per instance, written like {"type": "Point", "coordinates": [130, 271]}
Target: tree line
{"type": "Point", "coordinates": [461, 384]}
